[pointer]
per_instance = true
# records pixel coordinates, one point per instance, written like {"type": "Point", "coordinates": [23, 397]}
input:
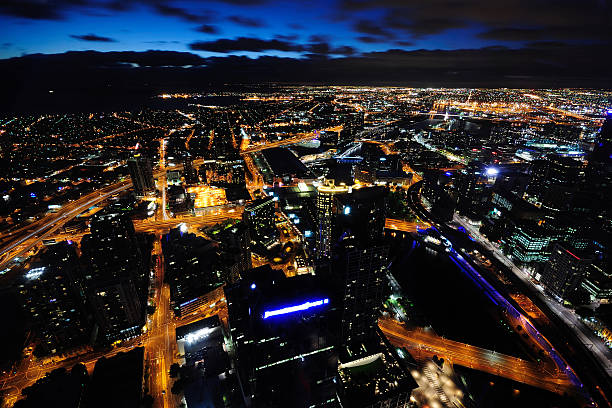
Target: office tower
{"type": "Point", "coordinates": [598, 283]}
{"type": "Point", "coordinates": [360, 259]}
{"type": "Point", "coordinates": [260, 218]}
{"type": "Point", "coordinates": [565, 270]}
{"type": "Point", "coordinates": [116, 276]}
{"type": "Point", "coordinates": [53, 296]}
{"type": "Point", "coordinates": [530, 243]}
{"type": "Point", "coordinates": [553, 182]}
{"type": "Point", "coordinates": [325, 205]}
{"type": "Point", "coordinates": [141, 174]}
{"type": "Point", "coordinates": [281, 332]}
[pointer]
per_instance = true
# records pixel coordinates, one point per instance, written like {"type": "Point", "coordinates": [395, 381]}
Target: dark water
{"type": "Point", "coordinates": [456, 309]}
{"type": "Point", "coordinates": [452, 304]}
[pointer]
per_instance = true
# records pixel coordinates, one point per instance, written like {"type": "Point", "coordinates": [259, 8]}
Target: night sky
{"type": "Point", "coordinates": [433, 42]}
{"type": "Point", "coordinates": [297, 28]}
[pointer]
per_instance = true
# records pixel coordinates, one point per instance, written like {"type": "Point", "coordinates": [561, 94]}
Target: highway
{"type": "Point", "coordinates": [25, 242]}
{"type": "Point", "coordinates": [285, 142]}
{"type": "Point", "coordinates": [428, 344]}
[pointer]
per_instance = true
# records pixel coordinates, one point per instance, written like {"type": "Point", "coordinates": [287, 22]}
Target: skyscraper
{"type": "Point", "coordinates": [360, 259]}
{"type": "Point", "coordinates": [282, 339]}
{"type": "Point", "coordinates": [260, 216]}
{"type": "Point", "coordinates": [325, 213]}
{"type": "Point", "coordinates": [115, 275]}
{"type": "Point", "coordinates": [141, 174]}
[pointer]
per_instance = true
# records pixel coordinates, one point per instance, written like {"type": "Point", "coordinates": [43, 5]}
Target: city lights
{"type": "Point", "coordinates": [35, 273]}
{"type": "Point", "coordinates": [198, 335]}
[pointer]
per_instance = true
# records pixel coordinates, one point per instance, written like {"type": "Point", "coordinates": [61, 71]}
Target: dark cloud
{"type": "Point", "coordinates": [34, 10]}
{"type": "Point", "coordinates": [405, 43]}
{"type": "Point", "coordinates": [93, 38]}
{"type": "Point", "coordinates": [511, 19]}
{"type": "Point", "coordinates": [371, 40]}
{"type": "Point", "coordinates": [246, 21]}
{"type": "Point", "coordinates": [422, 27]}
{"type": "Point", "coordinates": [344, 50]}
{"type": "Point", "coordinates": [118, 76]}
{"type": "Point", "coordinates": [244, 44]}
{"type": "Point", "coordinates": [316, 46]}
{"type": "Point", "coordinates": [284, 37]}
{"type": "Point", "coordinates": [184, 14]}
{"type": "Point", "coordinates": [371, 29]}
{"type": "Point", "coordinates": [318, 38]}
{"type": "Point", "coordinates": [573, 33]}
{"type": "Point", "coordinates": [207, 29]}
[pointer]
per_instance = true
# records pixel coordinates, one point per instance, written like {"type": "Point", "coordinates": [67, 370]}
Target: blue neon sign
{"type": "Point", "coordinates": [295, 308]}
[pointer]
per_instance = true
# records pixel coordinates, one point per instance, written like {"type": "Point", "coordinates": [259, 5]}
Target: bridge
{"type": "Point", "coordinates": [404, 226]}
{"type": "Point", "coordinates": [300, 137]}
{"type": "Point", "coordinates": [426, 344]}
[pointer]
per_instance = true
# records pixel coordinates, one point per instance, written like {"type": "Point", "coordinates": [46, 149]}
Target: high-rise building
{"type": "Point", "coordinates": [472, 189]}
{"type": "Point", "coordinates": [283, 339]}
{"type": "Point", "coordinates": [530, 243]}
{"type": "Point", "coordinates": [360, 260]}
{"type": "Point", "coordinates": [553, 182]}
{"type": "Point", "coordinates": [364, 291]}
{"type": "Point", "coordinates": [234, 242]}
{"type": "Point", "coordinates": [141, 174]}
{"type": "Point", "coordinates": [565, 270]}
{"type": "Point", "coordinates": [260, 218]}
{"type": "Point", "coordinates": [116, 276]}
{"type": "Point", "coordinates": [193, 268]}
{"type": "Point", "coordinates": [325, 205]}
{"type": "Point", "coordinates": [53, 296]}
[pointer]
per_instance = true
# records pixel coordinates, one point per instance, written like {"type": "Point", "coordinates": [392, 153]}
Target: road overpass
{"type": "Point", "coordinates": [425, 344]}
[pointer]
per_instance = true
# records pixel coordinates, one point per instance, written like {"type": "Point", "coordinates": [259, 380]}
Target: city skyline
{"type": "Point", "coordinates": [326, 204]}
{"type": "Point", "coordinates": [91, 46]}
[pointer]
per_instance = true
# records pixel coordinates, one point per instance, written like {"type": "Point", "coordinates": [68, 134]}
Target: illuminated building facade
{"type": "Point", "coordinates": [141, 174]}
{"type": "Point", "coordinates": [325, 205]}
{"type": "Point", "coordinates": [530, 243]}
{"type": "Point", "coordinates": [565, 270]}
